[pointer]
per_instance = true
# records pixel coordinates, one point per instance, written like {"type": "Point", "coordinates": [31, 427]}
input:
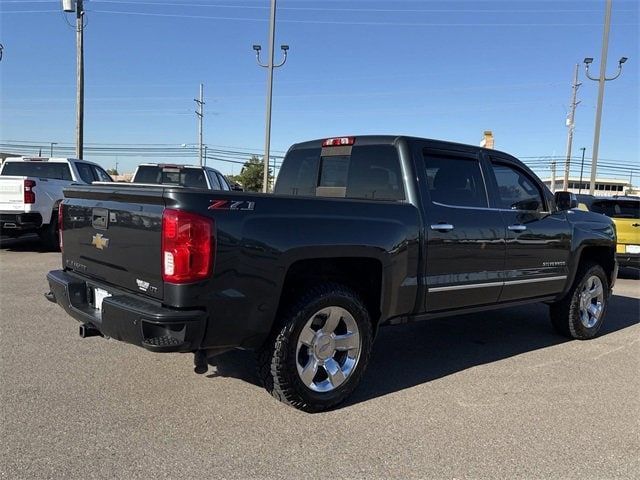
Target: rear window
{"type": "Point", "coordinates": [371, 172]}
{"type": "Point", "coordinates": [53, 171]}
{"type": "Point", "coordinates": [183, 177]}
{"type": "Point", "coordinates": [617, 208]}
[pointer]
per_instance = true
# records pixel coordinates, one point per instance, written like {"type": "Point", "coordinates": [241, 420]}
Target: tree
{"type": "Point", "coordinates": [112, 171]}
{"type": "Point", "coordinates": [251, 175]}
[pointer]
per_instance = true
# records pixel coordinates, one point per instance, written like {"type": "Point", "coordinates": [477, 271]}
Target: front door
{"type": "Point", "coordinates": [465, 249]}
{"type": "Point", "coordinates": [538, 239]}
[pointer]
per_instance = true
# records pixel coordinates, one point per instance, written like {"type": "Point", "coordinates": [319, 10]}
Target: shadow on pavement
{"type": "Point", "coordinates": [628, 273]}
{"type": "Point", "coordinates": [28, 243]}
{"type": "Point", "coordinates": [413, 354]}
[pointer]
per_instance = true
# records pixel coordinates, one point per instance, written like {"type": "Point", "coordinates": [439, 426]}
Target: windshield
{"type": "Point", "coordinates": [179, 176]}
{"type": "Point", "coordinates": [54, 171]}
{"type": "Point", "coordinates": [617, 208]}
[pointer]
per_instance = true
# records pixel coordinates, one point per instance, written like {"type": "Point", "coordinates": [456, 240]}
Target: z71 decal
{"type": "Point", "coordinates": [231, 205]}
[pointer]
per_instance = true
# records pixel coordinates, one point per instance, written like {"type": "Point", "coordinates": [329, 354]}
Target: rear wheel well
{"type": "Point", "coordinates": [603, 256]}
{"type": "Point", "coordinates": [363, 275]}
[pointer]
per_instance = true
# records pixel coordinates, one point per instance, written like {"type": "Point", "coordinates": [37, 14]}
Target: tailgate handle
{"type": "Point", "coordinates": [100, 218]}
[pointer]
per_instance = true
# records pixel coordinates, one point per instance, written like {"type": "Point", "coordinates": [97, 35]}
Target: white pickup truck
{"type": "Point", "coordinates": [31, 190]}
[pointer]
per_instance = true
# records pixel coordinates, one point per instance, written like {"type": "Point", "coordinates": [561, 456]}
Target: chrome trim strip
{"type": "Point", "coordinates": [535, 280]}
{"type": "Point", "coordinates": [463, 287]}
{"type": "Point", "coordinates": [495, 284]}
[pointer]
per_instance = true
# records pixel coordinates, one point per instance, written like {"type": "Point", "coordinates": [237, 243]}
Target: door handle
{"type": "Point", "coordinates": [517, 228]}
{"type": "Point", "coordinates": [442, 227]}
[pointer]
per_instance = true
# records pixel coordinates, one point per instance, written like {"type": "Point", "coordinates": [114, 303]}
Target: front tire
{"type": "Point", "coordinates": [581, 313]}
{"type": "Point", "coordinates": [317, 356]}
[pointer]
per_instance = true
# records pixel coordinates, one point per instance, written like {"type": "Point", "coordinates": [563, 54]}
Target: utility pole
{"type": "Point", "coordinates": [581, 170]}
{"type": "Point", "coordinates": [79, 79]}
{"type": "Point", "coordinates": [601, 80]}
{"type": "Point", "coordinates": [77, 6]}
{"type": "Point", "coordinates": [200, 115]}
{"type": "Point", "coordinates": [553, 176]}
{"type": "Point", "coordinates": [269, 66]}
{"type": "Point", "coordinates": [571, 126]}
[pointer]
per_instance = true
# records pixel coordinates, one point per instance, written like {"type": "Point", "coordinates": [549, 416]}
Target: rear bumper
{"type": "Point", "coordinates": [628, 259]}
{"type": "Point", "coordinates": [20, 222]}
{"type": "Point", "coordinates": [128, 317]}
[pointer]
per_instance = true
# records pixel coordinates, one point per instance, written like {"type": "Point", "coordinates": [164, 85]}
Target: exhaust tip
{"type": "Point", "coordinates": [87, 330]}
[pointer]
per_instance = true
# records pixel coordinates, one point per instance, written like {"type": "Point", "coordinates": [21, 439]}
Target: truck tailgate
{"type": "Point", "coordinates": [11, 193]}
{"type": "Point", "coordinates": [113, 234]}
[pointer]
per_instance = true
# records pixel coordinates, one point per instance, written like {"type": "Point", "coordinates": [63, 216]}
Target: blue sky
{"type": "Point", "coordinates": [439, 69]}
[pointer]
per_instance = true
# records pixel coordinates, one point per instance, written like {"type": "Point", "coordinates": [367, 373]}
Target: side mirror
{"type": "Point", "coordinates": [565, 201]}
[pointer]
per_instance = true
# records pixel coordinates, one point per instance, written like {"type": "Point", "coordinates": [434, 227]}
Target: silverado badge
{"type": "Point", "coordinates": [99, 241]}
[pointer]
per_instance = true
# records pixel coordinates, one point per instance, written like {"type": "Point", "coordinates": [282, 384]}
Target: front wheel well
{"type": "Point", "coordinates": [603, 256]}
{"type": "Point", "coordinates": [362, 275]}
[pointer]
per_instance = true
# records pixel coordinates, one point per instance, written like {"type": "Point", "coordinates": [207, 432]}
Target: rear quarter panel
{"type": "Point", "coordinates": [255, 249]}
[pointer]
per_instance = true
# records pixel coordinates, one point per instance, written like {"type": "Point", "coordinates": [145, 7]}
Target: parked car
{"type": "Point", "coordinates": [31, 190]}
{"type": "Point", "coordinates": [625, 212]}
{"type": "Point", "coordinates": [361, 232]}
{"type": "Point", "coordinates": [181, 175]}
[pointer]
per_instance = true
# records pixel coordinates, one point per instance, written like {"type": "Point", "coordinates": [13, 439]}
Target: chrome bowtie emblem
{"type": "Point", "coordinates": [99, 241]}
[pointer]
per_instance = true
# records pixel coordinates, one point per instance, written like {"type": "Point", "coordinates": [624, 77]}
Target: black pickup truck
{"type": "Point", "coordinates": [361, 231]}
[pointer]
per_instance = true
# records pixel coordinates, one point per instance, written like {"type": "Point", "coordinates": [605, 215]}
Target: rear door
{"type": "Point", "coordinates": [465, 249]}
{"type": "Point", "coordinates": [538, 240]}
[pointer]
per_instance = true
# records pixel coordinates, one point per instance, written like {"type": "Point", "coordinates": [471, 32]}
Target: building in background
{"type": "Point", "coordinates": [604, 187]}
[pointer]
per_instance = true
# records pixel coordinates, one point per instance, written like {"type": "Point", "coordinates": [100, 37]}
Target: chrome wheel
{"type": "Point", "coordinates": [591, 301]}
{"type": "Point", "coordinates": [328, 349]}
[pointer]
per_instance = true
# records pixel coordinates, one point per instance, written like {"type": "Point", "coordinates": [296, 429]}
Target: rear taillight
{"type": "Point", "coordinates": [60, 224]}
{"type": "Point", "coordinates": [29, 194]}
{"type": "Point", "coordinates": [188, 246]}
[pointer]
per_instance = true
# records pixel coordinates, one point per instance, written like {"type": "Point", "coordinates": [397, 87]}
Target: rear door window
{"type": "Point", "coordinates": [101, 175]}
{"type": "Point", "coordinates": [455, 180]}
{"type": "Point", "coordinates": [223, 181]}
{"type": "Point", "coordinates": [86, 172]}
{"type": "Point", "coordinates": [213, 179]}
{"type": "Point", "coordinates": [53, 171]}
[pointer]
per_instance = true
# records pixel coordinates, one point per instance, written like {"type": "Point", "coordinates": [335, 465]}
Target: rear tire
{"type": "Point", "coordinates": [49, 234]}
{"type": "Point", "coordinates": [320, 349]}
{"type": "Point", "coordinates": [581, 312]}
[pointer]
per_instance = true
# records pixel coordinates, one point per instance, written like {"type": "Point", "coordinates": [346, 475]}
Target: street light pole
{"type": "Point", "coordinates": [269, 66]}
{"type": "Point", "coordinates": [601, 81]}
{"type": "Point", "coordinates": [52, 144]}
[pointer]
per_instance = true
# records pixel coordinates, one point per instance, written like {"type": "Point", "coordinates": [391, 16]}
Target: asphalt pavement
{"type": "Point", "coordinates": [491, 395]}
